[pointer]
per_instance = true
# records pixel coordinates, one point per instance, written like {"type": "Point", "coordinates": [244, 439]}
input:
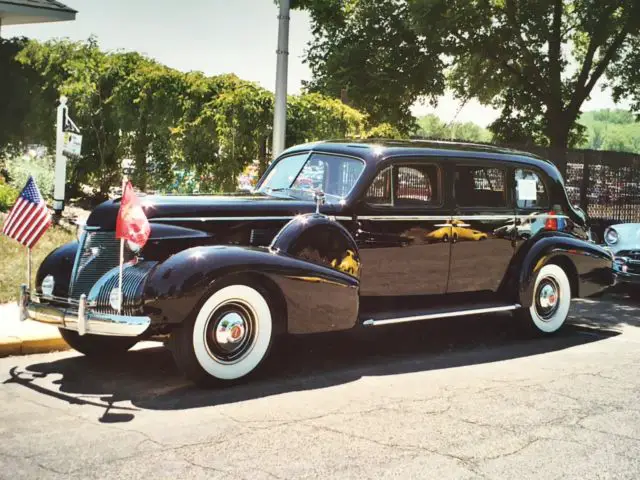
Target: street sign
{"type": "Point", "coordinates": [72, 144]}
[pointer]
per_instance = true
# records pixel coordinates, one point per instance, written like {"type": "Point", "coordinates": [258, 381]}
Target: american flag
{"type": "Point", "coordinates": [29, 218]}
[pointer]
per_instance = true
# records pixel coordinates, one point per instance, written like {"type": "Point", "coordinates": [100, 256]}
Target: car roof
{"type": "Point", "coordinates": [375, 150]}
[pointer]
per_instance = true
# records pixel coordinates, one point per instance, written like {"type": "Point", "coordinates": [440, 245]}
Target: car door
{"type": "Point", "coordinates": [482, 227]}
{"type": "Point", "coordinates": [403, 231]}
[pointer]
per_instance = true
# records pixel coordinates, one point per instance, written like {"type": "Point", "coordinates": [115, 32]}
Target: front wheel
{"type": "Point", "coordinates": [551, 300]}
{"type": "Point", "coordinates": [97, 345]}
{"type": "Point", "coordinates": [227, 338]}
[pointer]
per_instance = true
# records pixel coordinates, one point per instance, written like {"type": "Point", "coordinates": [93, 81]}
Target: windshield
{"type": "Point", "coordinates": [304, 173]}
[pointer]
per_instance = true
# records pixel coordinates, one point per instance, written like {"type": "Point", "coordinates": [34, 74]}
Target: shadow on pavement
{"type": "Point", "coordinates": [149, 379]}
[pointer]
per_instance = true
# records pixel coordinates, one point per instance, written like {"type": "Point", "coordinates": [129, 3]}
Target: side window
{"type": "Point", "coordinates": [379, 192]}
{"type": "Point", "coordinates": [530, 190]}
{"type": "Point", "coordinates": [415, 185]}
{"type": "Point", "coordinates": [480, 186]}
{"type": "Point", "coordinates": [405, 186]}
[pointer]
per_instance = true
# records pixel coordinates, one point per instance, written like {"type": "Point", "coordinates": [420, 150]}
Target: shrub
{"type": "Point", "coordinates": [41, 168]}
{"type": "Point", "coordinates": [8, 196]}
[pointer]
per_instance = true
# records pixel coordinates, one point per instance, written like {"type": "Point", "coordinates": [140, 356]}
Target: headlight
{"type": "Point", "coordinates": [47, 285]}
{"type": "Point", "coordinates": [611, 236]}
{"type": "Point", "coordinates": [115, 298]}
{"type": "Point", "coordinates": [134, 247]}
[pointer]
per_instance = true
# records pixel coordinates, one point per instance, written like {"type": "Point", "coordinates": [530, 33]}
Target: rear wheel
{"type": "Point", "coordinates": [227, 338]}
{"type": "Point", "coordinates": [97, 345]}
{"type": "Point", "coordinates": [551, 300]}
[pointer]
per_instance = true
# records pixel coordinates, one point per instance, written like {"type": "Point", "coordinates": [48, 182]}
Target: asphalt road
{"type": "Point", "coordinates": [469, 398]}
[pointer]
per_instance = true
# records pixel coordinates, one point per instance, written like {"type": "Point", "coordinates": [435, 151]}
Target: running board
{"type": "Point", "coordinates": [458, 313]}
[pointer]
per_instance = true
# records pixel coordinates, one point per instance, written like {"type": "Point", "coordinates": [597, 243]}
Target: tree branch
{"type": "Point", "coordinates": [584, 90]}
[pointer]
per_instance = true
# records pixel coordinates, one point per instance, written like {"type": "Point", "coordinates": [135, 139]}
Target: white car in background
{"type": "Point", "coordinates": [623, 240]}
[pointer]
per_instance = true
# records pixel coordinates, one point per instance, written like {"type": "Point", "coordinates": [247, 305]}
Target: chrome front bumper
{"type": "Point", "coordinates": [79, 317]}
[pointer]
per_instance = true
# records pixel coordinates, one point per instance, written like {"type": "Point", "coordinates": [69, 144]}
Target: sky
{"type": "Point", "coordinates": [221, 36]}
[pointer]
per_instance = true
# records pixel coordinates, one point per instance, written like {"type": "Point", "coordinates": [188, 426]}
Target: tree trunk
{"type": "Point", "coordinates": [559, 138]}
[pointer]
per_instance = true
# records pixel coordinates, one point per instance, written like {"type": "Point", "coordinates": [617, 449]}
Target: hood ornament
{"type": "Point", "coordinates": [319, 197]}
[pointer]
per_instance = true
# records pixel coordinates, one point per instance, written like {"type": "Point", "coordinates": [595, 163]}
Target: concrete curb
{"type": "Point", "coordinates": [18, 346]}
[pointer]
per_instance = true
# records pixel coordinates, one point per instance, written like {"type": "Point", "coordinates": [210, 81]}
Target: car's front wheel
{"type": "Point", "coordinates": [551, 300]}
{"type": "Point", "coordinates": [97, 345]}
{"type": "Point", "coordinates": [227, 338]}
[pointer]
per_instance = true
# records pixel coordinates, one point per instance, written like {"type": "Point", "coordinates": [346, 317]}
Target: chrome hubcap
{"type": "Point", "coordinates": [547, 298]}
{"type": "Point", "coordinates": [231, 332]}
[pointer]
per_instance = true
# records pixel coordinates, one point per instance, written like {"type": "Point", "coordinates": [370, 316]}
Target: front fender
{"type": "Point", "coordinates": [591, 263]}
{"type": "Point", "coordinates": [317, 297]}
{"type": "Point", "coordinates": [58, 263]}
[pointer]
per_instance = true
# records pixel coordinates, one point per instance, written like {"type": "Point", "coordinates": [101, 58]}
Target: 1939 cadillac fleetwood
{"type": "Point", "coordinates": [336, 235]}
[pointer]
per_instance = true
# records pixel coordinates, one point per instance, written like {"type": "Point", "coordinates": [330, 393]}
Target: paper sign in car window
{"type": "Point", "coordinates": [527, 190]}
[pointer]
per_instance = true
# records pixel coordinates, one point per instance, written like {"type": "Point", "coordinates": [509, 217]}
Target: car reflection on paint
{"type": "Point", "coordinates": [454, 231]}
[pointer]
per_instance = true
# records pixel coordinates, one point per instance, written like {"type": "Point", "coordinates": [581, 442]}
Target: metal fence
{"type": "Point", "coordinates": [605, 184]}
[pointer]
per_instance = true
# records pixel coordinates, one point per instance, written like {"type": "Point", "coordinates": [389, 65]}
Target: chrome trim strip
{"type": "Point", "coordinates": [364, 217]}
{"type": "Point", "coordinates": [387, 321]}
{"type": "Point", "coordinates": [76, 262]}
{"type": "Point", "coordinates": [402, 217]}
{"type": "Point", "coordinates": [209, 219]}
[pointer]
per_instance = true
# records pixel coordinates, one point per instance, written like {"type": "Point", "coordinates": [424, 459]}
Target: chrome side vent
{"type": "Point", "coordinates": [133, 278]}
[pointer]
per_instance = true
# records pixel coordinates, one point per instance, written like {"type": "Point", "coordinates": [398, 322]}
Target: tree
{"type": "Point", "coordinates": [26, 110]}
{"type": "Point", "coordinates": [313, 116]}
{"type": "Point", "coordinates": [368, 51]}
{"type": "Point", "coordinates": [536, 60]}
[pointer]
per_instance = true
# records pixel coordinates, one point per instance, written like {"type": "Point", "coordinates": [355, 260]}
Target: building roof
{"type": "Point", "coordinates": [18, 12]}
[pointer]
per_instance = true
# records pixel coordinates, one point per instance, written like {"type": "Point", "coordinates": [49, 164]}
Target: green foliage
{"type": "Point", "coordinates": [186, 132]}
{"type": "Point", "coordinates": [369, 51]}
{"type": "Point", "coordinates": [430, 126]}
{"type": "Point", "coordinates": [41, 168]}
{"type": "Point", "coordinates": [385, 131]}
{"type": "Point", "coordinates": [611, 130]}
{"type": "Point", "coordinates": [23, 104]}
{"type": "Point", "coordinates": [535, 60]}
{"type": "Point", "coordinates": [8, 196]}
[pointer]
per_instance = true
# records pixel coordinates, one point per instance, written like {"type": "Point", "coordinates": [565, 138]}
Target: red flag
{"type": "Point", "coordinates": [132, 223]}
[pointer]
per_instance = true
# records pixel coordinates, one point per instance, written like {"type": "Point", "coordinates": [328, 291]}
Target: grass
{"type": "Point", "coordinates": [13, 266]}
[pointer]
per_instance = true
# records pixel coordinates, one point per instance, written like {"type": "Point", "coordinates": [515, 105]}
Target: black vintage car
{"type": "Point", "coordinates": [336, 235]}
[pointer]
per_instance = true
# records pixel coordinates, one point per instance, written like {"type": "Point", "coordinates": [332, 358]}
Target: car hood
{"type": "Point", "coordinates": [206, 206]}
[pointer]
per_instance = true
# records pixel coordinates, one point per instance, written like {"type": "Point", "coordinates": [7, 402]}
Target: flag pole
{"type": "Point", "coordinates": [29, 268]}
{"type": "Point", "coordinates": [124, 183]}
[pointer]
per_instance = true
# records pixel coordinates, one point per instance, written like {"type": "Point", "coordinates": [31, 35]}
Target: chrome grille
{"type": "Point", "coordinates": [133, 277]}
{"type": "Point", "coordinates": [99, 252]}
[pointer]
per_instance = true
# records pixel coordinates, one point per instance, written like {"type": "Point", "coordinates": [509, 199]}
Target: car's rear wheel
{"type": "Point", "coordinates": [551, 300]}
{"type": "Point", "coordinates": [97, 345]}
{"type": "Point", "coordinates": [228, 337]}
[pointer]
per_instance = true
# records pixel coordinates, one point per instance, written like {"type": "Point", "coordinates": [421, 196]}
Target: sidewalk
{"type": "Point", "coordinates": [23, 338]}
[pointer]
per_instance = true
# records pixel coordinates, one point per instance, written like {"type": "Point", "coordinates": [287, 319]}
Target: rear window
{"type": "Point", "coordinates": [480, 186]}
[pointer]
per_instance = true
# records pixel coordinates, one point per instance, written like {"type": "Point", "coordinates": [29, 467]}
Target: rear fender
{"type": "Point", "coordinates": [588, 262]}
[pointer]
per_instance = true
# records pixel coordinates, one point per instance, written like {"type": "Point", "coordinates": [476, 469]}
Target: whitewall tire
{"type": "Point", "coordinates": [551, 300]}
{"type": "Point", "coordinates": [227, 339]}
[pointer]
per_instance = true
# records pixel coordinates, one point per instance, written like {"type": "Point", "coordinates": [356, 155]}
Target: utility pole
{"type": "Point", "coordinates": [280, 107]}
